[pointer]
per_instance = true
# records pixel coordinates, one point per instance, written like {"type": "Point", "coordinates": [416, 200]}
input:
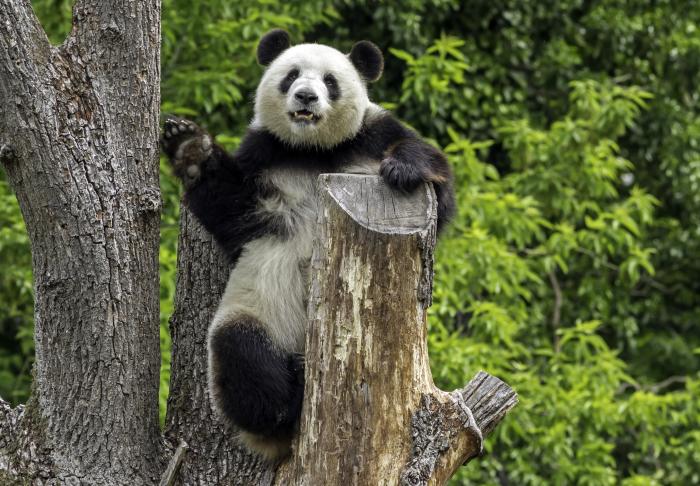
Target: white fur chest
{"type": "Point", "coordinates": [292, 204]}
{"type": "Point", "coordinates": [270, 279]}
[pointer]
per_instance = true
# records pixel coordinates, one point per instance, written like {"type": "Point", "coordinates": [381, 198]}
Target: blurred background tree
{"type": "Point", "coordinates": [571, 270]}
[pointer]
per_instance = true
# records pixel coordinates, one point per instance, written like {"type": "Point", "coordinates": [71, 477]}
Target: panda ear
{"type": "Point", "coordinates": [368, 60]}
{"type": "Point", "coordinates": [271, 45]}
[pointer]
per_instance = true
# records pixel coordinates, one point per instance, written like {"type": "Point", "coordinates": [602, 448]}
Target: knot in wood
{"type": "Point", "coordinates": [149, 200]}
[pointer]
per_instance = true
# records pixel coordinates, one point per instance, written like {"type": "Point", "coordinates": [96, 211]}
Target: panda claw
{"type": "Point", "coordinates": [206, 143]}
{"type": "Point", "coordinates": [400, 175]}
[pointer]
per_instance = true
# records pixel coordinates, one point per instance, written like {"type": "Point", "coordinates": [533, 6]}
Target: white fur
{"type": "Point", "coordinates": [339, 120]}
{"type": "Point", "coordinates": [270, 448]}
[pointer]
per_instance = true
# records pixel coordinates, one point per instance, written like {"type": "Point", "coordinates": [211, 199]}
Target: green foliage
{"type": "Point", "coordinates": [16, 322]}
{"type": "Point", "coordinates": [571, 268]}
{"type": "Point", "coordinates": [169, 228]}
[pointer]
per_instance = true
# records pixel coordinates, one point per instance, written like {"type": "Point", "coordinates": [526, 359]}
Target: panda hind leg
{"type": "Point", "coordinates": [255, 385]}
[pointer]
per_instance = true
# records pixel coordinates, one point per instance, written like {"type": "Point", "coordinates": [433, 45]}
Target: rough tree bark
{"type": "Point", "coordinates": [79, 124]}
{"type": "Point", "coordinates": [372, 414]}
{"type": "Point", "coordinates": [78, 141]}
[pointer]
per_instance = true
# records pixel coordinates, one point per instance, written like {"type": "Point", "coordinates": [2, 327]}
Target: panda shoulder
{"type": "Point", "coordinates": [375, 113]}
{"type": "Point", "coordinates": [382, 122]}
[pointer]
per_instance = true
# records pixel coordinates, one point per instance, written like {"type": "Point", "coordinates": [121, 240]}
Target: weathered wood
{"type": "Point", "coordinates": [372, 414]}
{"type": "Point", "coordinates": [489, 400]}
{"type": "Point", "coordinates": [170, 474]}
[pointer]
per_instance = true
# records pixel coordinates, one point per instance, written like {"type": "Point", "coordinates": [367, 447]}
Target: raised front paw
{"type": "Point", "coordinates": [401, 175]}
{"type": "Point", "coordinates": [187, 146]}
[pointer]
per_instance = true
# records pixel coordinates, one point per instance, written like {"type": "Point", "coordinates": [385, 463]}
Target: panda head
{"type": "Point", "coordinates": [312, 95]}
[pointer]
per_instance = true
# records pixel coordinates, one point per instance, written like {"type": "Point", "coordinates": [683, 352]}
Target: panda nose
{"type": "Point", "coordinates": [306, 96]}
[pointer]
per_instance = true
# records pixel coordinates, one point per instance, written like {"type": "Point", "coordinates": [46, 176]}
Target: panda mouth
{"type": "Point", "coordinates": [304, 116]}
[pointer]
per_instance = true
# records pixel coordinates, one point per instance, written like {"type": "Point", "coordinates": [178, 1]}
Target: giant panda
{"type": "Point", "coordinates": [312, 115]}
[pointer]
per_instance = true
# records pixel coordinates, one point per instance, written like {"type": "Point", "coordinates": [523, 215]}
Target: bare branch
{"type": "Point", "coordinates": [489, 399]}
{"type": "Point", "coordinates": [671, 380]}
{"type": "Point", "coordinates": [644, 278]}
{"type": "Point", "coordinates": [654, 387]}
{"type": "Point", "coordinates": [170, 473]}
{"type": "Point", "coordinates": [24, 49]}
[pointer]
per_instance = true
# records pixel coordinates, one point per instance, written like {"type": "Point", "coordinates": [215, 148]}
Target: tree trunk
{"type": "Point", "coordinates": [82, 122]}
{"type": "Point", "coordinates": [372, 414]}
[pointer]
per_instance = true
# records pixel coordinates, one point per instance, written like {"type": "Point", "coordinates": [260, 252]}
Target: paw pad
{"type": "Point", "coordinates": [187, 146]}
{"type": "Point", "coordinates": [193, 171]}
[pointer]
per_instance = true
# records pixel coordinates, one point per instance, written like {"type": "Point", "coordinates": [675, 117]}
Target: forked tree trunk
{"type": "Point", "coordinates": [82, 123]}
{"type": "Point", "coordinates": [78, 141]}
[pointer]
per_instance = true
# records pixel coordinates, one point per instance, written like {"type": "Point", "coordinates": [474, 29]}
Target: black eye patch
{"type": "Point", "coordinates": [288, 80]}
{"type": "Point", "coordinates": [332, 85]}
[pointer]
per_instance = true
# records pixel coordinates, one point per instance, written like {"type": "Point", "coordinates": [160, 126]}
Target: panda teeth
{"type": "Point", "coordinates": [304, 115]}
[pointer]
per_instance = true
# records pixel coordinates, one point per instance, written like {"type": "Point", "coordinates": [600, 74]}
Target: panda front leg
{"type": "Point", "coordinates": [217, 191]}
{"type": "Point", "coordinates": [255, 385]}
{"type": "Point", "coordinates": [188, 147]}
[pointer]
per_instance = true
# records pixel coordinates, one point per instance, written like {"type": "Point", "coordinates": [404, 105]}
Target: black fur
{"type": "Point", "coordinates": [368, 60]}
{"type": "Point", "coordinates": [272, 45]}
{"type": "Point", "coordinates": [332, 85]}
{"type": "Point", "coordinates": [288, 80]}
{"type": "Point", "coordinates": [225, 195]}
{"type": "Point", "coordinates": [260, 387]}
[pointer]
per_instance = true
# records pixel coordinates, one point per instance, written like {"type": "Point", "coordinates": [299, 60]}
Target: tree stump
{"type": "Point", "coordinates": [372, 414]}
